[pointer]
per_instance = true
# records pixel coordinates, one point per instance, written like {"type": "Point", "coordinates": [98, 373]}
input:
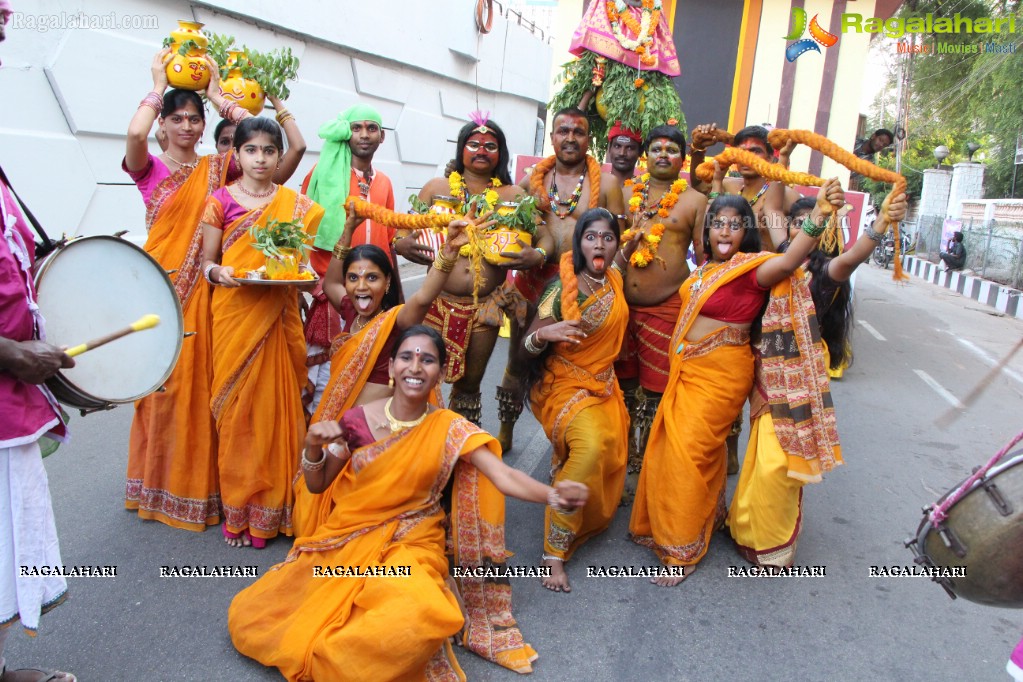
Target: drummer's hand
{"type": "Point", "coordinates": [225, 274]}
{"type": "Point", "coordinates": [408, 248]}
{"type": "Point", "coordinates": [159, 70]}
{"type": "Point", "coordinates": [32, 361]}
{"type": "Point", "coordinates": [322, 433]}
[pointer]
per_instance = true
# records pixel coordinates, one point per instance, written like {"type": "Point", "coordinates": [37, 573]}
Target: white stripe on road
{"type": "Point", "coordinates": [876, 334]}
{"type": "Point", "coordinates": [989, 359]}
{"type": "Point", "coordinates": [939, 389]}
{"type": "Point", "coordinates": [413, 278]}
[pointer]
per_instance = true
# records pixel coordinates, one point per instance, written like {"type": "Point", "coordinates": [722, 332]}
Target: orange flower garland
{"type": "Point", "coordinates": [646, 253]}
{"type": "Point", "coordinates": [541, 170]}
{"type": "Point", "coordinates": [569, 289]}
{"type": "Point", "coordinates": [619, 14]}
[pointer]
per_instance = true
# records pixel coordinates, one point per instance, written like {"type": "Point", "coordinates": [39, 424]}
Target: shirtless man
{"type": "Point", "coordinates": [623, 151]}
{"type": "Point", "coordinates": [563, 187]}
{"type": "Point", "coordinates": [770, 202]}
{"type": "Point", "coordinates": [470, 331]}
{"type": "Point", "coordinates": [652, 290]}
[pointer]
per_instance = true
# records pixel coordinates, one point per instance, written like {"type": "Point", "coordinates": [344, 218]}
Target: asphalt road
{"type": "Point", "coordinates": [843, 626]}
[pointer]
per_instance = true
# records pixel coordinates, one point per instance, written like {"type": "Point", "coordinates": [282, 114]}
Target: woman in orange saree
{"type": "Point", "coordinates": [258, 344]}
{"type": "Point", "coordinates": [172, 468]}
{"type": "Point", "coordinates": [575, 394]}
{"type": "Point", "coordinates": [766, 513]}
{"type": "Point", "coordinates": [366, 596]}
{"type": "Point", "coordinates": [680, 497]}
{"type": "Point", "coordinates": [360, 285]}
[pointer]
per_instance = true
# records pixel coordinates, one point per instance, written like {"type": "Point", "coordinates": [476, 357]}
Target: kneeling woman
{"type": "Point", "coordinates": [393, 459]}
{"type": "Point", "coordinates": [575, 394]}
{"type": "Point", "coordinates": [258, 347]}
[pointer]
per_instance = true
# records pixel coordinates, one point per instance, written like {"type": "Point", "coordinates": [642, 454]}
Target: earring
{"type": "Point", "coordinates": [390, 382]}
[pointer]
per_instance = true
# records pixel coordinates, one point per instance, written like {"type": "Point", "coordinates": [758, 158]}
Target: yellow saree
{"type": "Point", "coordinates": [583, 413]}
{"type": "Point", "coordinates": [258, 374]}
{"type": "Point", "coordinates": [680, 498]}
{"type": "Point", "coordinates": [172, 449]}
{"type": "Point", "coordinates": [388, 513]}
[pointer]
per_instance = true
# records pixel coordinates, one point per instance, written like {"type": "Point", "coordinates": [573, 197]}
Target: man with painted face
{"type": "Point", "coordinates": [623, 151]}
{"type": "Point", "coordinates": [665, 207]}
{"type": "Point", "coordinates": [470, 329]}
{"type": "Point", "coordinates": [565, 185]}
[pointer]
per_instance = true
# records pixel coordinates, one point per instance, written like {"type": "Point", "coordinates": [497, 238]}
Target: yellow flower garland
{"type": "Point", "coordinates": [646, 253]}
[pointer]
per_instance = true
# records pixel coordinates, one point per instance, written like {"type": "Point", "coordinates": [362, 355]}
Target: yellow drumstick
{"type": "Point", "coordinates": [145, 322]}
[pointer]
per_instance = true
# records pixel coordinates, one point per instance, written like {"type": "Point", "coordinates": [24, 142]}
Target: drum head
{"type": "Point", "coordinates": [97, 285]}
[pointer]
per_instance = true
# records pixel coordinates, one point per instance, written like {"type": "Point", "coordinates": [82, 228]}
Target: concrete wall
{"type": "Point", "coordinates": [70, 90]}
{"type": "Point", "coordinates": [934, 196]}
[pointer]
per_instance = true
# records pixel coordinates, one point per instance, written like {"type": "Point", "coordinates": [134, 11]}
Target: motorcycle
{"type": "Point", "coordinates": [884, 252]}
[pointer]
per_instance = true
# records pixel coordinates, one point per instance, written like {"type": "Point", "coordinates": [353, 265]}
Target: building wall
{"type": "Point", "coordinates": [75, 89]}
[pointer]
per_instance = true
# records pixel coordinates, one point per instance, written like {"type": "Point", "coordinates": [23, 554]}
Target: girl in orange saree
{"type": "Point", "coordinates": [576, 395]}
{"type": "Point", "coordinates": [172, 468]}
{"type": "Point", "coordinates": [317, 616]}
{"type": "Point", "coordinates": [680, 497]}
{"type": "Point", "coordinates": [360, 285]}
{"type": "Point", "coordinates": [258, 345]}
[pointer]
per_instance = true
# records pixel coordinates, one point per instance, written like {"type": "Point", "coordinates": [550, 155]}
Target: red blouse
{"type": "Point", "coordinates": [738, 302]}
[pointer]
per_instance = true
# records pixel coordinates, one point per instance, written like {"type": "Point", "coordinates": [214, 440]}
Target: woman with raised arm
{"type": "Point", "coordinates": [766, 512]}
{"type": "Point", "coordinates": [360, 284]}
{"type": "Point", "coordinates": [258, 347]}
{"type": "Point", "coordinates": [680, 498]}
{"type": "Point", "coordinates": [366, 597]}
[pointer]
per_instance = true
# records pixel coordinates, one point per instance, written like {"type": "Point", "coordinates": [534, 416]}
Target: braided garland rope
{"type": "Point", "coordinates": [778, 138]}
{"type": "Point", "coordinates": [428, 221]}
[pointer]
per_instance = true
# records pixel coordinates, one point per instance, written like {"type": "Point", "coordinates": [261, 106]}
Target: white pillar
{"type": "Point", "coordinates": [967, 183]}
{"type": "Point", "coordinates": [934, 195]}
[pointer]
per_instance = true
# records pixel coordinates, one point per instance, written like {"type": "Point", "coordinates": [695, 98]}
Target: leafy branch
{"type": "Point", "coordinates": [277, 236]}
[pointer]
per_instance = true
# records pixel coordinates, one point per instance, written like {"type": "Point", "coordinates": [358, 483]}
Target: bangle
{"type": "Point", "coordinates": [554, 501]}
{"type": "Point", "coordinates": [207, 270]}
{"type": "Point", "coordinates": [283, 115]}
{"type": "Point", "coordinates": [238, 114]}
{"type": "Point", "coordinates": [693, 149]}
{"type": "Point", "coordinates": [154, 101]}
{"type": "Point", "coordinates": [313, 466]}
{"type": "Point", "coordinates": [533, 345]}
{"type": "Point", "coordinates": [869, 233]}
{"type": "Point", "coordinates": [443, 263]}
{"type": "Point", "coordinates": [812, 229]}
{"type": "Point", "coordinates": [713, 195]}
{"type": "Point", "coordinates": [226, 107]}
{"type": "Point", "coordinates": [543, 252]}
{"type": "Point", "coordinates": [341, 252]}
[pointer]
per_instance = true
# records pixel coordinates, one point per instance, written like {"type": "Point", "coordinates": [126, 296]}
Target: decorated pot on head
{"type": "Point", "coordinates": [243, 91]}
{"type": "Point", "coordinates": [190, 71]}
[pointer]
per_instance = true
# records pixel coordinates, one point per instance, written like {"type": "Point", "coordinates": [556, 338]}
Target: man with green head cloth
{"type": "Point", "coordinates": [344, 170]}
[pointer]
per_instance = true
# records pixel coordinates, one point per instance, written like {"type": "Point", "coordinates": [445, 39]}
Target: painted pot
{"type": "Point", "coordinates": [191, 71]}
{"type": "Point", "coordinates": [285, 267]}
{"type": "Point", "coordinates": [244, 91]}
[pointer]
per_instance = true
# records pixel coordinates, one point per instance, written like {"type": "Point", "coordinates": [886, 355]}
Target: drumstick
{"type": "Point", "coordinates": [145, 322]}
{"type": "Point", "coordinates": [953, 413]}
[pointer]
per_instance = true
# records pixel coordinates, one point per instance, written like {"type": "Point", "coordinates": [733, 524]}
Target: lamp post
{"type": "Point", "coordinates": [971, 149]}
{"type": "Point", "coordinates": [940, 153]}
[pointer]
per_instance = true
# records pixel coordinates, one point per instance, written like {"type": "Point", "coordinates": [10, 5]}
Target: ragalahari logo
{"type": "Point", "coordinates": [817, 35]}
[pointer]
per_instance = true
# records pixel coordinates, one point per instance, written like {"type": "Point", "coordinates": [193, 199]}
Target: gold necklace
{"type": "Point", "coordinates": [595, 284]}
{"type": "Point", "coordinates": [182, 165]}
{"type": "Point", "coordinates": [397, 424]}
{"type": "Point", "coordinates": [256, 195]}
{"type": "Point", "coordinates": [358, 319]}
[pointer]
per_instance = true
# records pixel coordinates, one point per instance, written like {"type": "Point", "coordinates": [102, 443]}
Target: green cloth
{"type": "Point", "coordinates": [332, 176]}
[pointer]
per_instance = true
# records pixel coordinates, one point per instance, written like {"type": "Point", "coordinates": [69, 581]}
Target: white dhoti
{"type": "Point", "coordinates": [319, 375]}
{"type": "Point", "coordinates": [28, 538]}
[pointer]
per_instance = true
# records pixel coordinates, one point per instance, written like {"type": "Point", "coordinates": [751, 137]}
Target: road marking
{"type": "Point", "coordinates": [876, 334]}
{"type": "Point", "coordinates": [988, 359]}
{"type": "Point", "coordinates": [413, 278]}
{"type": "Point", "coordinates": [939, 389]}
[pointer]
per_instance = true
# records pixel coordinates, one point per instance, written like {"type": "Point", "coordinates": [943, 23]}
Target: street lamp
{"type": "Point", "coordinates": [971, 149]}
{"type": "Point", "coordinates": [940, 153]}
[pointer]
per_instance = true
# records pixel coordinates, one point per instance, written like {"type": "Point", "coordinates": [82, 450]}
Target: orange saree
{"type": "Point", "coordinates": [583, 413]}
{"type": "Point", "coordinates": [172, 465]}
{"type": "Point", "coordinates": [258, 374]}
{"type": "Point", "coordinates": [388, 514]}
{"type": "Point", "coordinates": [680, 498]}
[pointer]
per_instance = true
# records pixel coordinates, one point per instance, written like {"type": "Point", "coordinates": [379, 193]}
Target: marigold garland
{"type": "Point", "coordinates": [646, 253]}
{"type": "Point", "coordinates": [460, 191]}
{"type": "Point", "coordinates": [540, 171]}
{"type": "Point", "coordinates": [569, 288]}
{"type": "Point", "coordinates": [618, 13]}
{"type": "Point", "coordinates": [778, 138]}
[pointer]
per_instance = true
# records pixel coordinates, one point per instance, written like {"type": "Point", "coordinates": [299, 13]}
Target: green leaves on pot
{"type": "Point", "coordinates": [272, 70]}
{"type": "Point", "coordinates": [417, 205]}
{"type": "Point", "coordinates": [523, 217]}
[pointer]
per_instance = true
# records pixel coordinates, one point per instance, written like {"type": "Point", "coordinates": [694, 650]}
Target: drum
{"type": "Point", "coordinates": [92, 286]}
{"type": "Point", "coordinates": [983, 534]}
